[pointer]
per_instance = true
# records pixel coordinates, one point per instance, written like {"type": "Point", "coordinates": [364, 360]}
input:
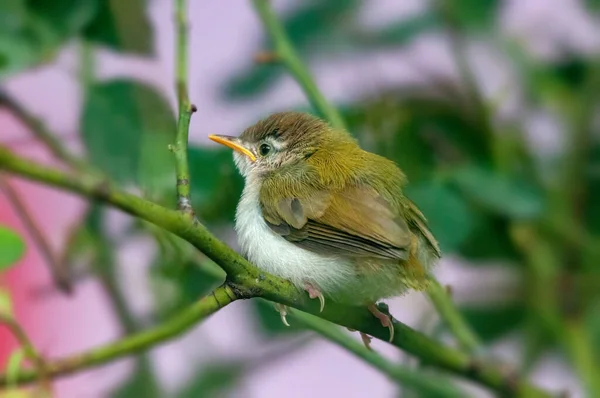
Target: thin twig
{"type": "Point", "coordinates": [248, 281]}
{"type": "Point", "coordinates": [40, 131]}
{"type": "Point", "coordinates": [138, 342]}
{"type": "Point", "coordinates": [30, 351]}
{"type": "Point", "coordinates": [444, 305]}
{"type": "Point", "coordinates": [286, 53]}
{"type": "Point", "coordinates": [421, 383]}
{"type": "Point", "coordinates": [60, 272]}
{"type": "Point", "coordinates": [186, 109]}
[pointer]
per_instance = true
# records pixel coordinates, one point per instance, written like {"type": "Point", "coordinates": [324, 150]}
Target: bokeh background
{"type": "Point", "coordinates": [488, 105]}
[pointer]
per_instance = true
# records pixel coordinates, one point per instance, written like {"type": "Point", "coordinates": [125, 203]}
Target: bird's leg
{"type": "Point", "coordinates": [386, 320]}
{"type": "Point", "coordinates": [282, 309]}
{"type": "Point", "coordinates": [314, 293]}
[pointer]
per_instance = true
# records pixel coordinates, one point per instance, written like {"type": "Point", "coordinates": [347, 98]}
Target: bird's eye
{"type": "Point", "coordinates": [264, 149]}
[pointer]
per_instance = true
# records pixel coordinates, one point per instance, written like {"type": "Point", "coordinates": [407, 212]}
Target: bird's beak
{"type": "Point", "coordinates": [233, 143]}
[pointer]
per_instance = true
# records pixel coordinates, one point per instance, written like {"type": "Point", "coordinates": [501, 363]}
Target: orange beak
{"type": "Point", "coordinates": [233, 143]}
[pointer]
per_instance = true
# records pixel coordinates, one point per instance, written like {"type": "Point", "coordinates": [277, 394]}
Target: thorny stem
{"type": "Point", "coordinates": [287, 55]}
{"type": "Point", "coordinates": [180, 149]}
{"type": "Point", "coordinates": [60, 273]}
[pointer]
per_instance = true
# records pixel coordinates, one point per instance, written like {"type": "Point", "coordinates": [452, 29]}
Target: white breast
{"type": "Point", "coordinates": [274, 254]}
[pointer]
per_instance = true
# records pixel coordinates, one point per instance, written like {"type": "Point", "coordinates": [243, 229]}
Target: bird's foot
{"type": "Point", "coordinates": [386, 320]}
{"type": "Point", "coordinates": [314, 293]}
{"type": "Point", "coordinates": [283, 311]}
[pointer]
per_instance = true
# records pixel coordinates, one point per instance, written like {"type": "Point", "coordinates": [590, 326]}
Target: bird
{"type": "Point", "coordinates": [328, 216]}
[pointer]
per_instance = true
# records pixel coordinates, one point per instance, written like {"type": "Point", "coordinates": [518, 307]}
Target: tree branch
{"type": "Point", "coordinates": [421, 383]}
{"type": "Point", "coordinates": [182, 322]}
{"type": "Point", "coordinates": [247, 281]}
{"type": "Point", "coordinates": [59, 272]}
{"type": "Point", "coordinates": [180, 149]}
{"type": "Point", "coordinates": [287, 55]}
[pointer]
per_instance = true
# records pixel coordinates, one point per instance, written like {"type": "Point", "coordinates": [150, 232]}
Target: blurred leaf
{"type": "Point", "coordinates": [180, 284]}
{"type": "Point", "coordinates": [489, 240]}
{"type": "Point", "coordinates": [119, 117]}
{"type": "Point", "coordinates": [449, 216]}
{"type": "Point", "coordinates": [66, 17]}
{"type": "Point", "coordinates": [217, 380]}
{"type": "Point", "coordinates": [508, 196]}
{"type": "Point", "coordinates": [122, 26]}
{"type": "Point", "coordinates": [401, 32]}
{"type": "Point", "coordinates": [269, 320]}
{"type": "Point", "coordinates": [6, 307]}
{"type": "Point", "coordinates": [593, 5]}
{"type": "Point", "coordinates": [216, 184]}
{"type": "Point", "coordinates": [141, 384]}
{"type": "Point", "coordinates": [12, 247]}
{"type": "Point", "coordinates": [494, 321]}
{"type": "Point", "coordinates": [13, 15]}
{"type": "Point", "coordinates": [474, 14]}
{"type": "Point", "coordinates": [14, 366]}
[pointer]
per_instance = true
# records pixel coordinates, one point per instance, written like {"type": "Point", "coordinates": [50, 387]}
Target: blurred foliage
{"type": "Point", "coordinates": [12, 247]}
{"type": "Point", "coordinates": [477, 177]}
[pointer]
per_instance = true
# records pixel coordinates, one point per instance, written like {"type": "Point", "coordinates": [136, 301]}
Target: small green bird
{"type": "Point", "coordinates": [326, 215]}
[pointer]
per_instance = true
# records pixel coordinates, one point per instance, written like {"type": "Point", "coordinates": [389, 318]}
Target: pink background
{"type": "Point", "coordinates": [223, 37]}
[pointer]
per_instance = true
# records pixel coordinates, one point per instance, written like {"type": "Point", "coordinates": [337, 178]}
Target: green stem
{"type": "Point", "coordinates": [286, 53]}
{"type": "Point", "coordinates": [60, 273]}
{"type": "Point", "coordinates": [197, 312]}
{"type": "Point", "coordinates": [579, 344]}
{"type": "Point", "coordinates": [444, 305]}
{"type": "Point", "coordinates": [420, 383]}
{"type": "Point", "coordinates": [180, 149]}
{"type": "Point", "coordinates": [41, 368]}
{"type": "Point", "coordinates": [248, 281]}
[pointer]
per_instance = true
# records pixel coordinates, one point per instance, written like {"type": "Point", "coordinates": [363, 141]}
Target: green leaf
{"type": "Point", "coordinates": [504, 195]}
{"type": "Point", "coordinates": [141, 384]}
{"type": "Point", "coordinates": [125, 129]}
{"type": "Point", "coordinates": [492, 322]}
{"type": "Point", "coordinates": [66, 17]}
{"type": "Point", "coordinates": [215, 380]}
{"type": "Point", "coordinates": [216, 185]}
{"type": "Point", "coordinates": [122, 26]}
{"type": "Point", "coordinates": [449, 216]}
{"type": "Point", "coordinates": [475, 14]}
{"type": "Point", "coordinates": [401, 32]}
{"type": "Point", "coordinates": [489, 240]}
{"type": "Point", "coordinates": [6, 307]}
{"type": "Point", "coordinates": [593, 5]}
{"type": "Point", "coordinates": [12, 247]}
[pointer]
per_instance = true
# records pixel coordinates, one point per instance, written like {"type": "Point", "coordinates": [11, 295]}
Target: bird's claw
{"type": "Point", "coordinates": [366, 339]}
{"type": "Point", "coordinates": [386, 320]}
{"type": "Point", "coordinates": [282, 309]}
{"type": "Point", "coordinates": [314, 293]}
